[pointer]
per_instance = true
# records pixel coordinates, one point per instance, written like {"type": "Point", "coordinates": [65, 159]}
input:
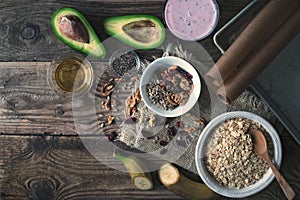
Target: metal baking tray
{"type": "Point", "coordinates": [279, 84]}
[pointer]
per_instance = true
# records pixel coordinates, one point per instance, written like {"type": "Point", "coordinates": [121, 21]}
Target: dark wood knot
{"type": "Point", "coordinates": [28, 33]}
{"type": "Point", "coordinates": [42, 189]}
{"type": "Point", "coordinates": [59, 111]}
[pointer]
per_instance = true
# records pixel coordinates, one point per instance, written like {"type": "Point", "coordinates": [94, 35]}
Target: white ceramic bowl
{"type": "Point", "coordinates": [201, 151]}
{"type": "Point", "coordinates": [166, 62]}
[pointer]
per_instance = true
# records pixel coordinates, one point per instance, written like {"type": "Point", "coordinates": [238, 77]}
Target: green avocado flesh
{"type": "Point", "coordinates": [139, 31]}
{"type": "Point", "coordinates": [72, 28]}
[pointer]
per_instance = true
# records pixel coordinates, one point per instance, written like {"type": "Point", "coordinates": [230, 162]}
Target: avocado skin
{"type": "Point", "coordinates": [113, 26]}
{"type": "Point", "coordinates": [94, 48]}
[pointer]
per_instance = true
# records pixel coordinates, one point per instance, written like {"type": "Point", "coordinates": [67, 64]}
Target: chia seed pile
{"type": "Point", "coordinates": [123, 63]}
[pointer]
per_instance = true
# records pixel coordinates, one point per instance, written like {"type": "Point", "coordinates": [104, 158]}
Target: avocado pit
{"type": "Point", "coordinates": [73, 28]}
{"type": "Point", "coordinates": [139, 31]}
{"type": "Point", "coordinates": [143, 31]}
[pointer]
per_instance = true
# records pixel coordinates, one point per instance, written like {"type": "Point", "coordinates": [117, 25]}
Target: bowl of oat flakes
{"type": "Point", "coordinates": [225, 159]}
{"type": "Point", "coordinates": [170, 86]}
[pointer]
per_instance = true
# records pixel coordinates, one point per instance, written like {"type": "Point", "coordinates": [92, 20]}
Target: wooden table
{"type": "Point", "coordinates": [42, 156]}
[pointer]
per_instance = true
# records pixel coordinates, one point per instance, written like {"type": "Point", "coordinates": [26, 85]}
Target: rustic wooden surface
{"type": "Point", "coordinates": [41, 155]}
{"type": "Point", "coordinates": [59, 167]}
{"type": "Point", "coordinates": [26, 34]}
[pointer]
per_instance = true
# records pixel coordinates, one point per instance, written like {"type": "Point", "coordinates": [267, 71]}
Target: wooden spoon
{"type": "Point", "coordinates": [260, 149]}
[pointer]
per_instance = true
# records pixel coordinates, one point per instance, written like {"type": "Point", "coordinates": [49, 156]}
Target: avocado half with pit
{"type": "Point", "coordinates": [138, 31]}
{"type": "Point", "coordinates": [72, 28]}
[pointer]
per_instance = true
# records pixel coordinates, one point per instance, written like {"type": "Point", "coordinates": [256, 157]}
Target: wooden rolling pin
{"type": "Point", "coordinates": [258, 30]}
{"type": "Point", "coordinates": [259, 59]}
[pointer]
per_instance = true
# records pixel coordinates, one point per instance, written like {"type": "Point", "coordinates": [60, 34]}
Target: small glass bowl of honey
{"type": "Point", "coordinates": [70, 75]}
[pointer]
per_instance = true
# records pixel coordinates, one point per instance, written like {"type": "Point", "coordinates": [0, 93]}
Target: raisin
{"type": "Point", "coordinates": [163, 143]}
{"type": "Point", "coordinates": [172, 131]}
{"type": "Point", "coordinates": [112, 136]}
{"type": "Point", "coordinates": [180, 124]}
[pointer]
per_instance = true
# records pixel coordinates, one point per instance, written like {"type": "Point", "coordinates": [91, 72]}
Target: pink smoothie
{"type": "Point", "coordinates": [191, 19]}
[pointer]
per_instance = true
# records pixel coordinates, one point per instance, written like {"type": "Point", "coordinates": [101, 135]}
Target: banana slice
{"type": "Point", "coordinates": [138, 171]}
{"type": "Point", "coordinates": [171, 178]}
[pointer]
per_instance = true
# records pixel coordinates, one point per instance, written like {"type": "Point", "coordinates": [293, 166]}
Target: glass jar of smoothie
{"type": "Point", "coordinates": [191, 19]}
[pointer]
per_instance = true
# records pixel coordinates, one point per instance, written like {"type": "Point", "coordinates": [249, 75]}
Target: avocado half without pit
{"type": "Point", "coordinates": [72, 28]}
{"type": "Point", "coordinates": [138, 31]}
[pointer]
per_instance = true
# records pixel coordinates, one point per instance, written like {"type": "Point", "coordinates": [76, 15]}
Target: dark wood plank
{"type": "Point", "coordinates": [27, 102]}
{"type": "Point", "coordinates": [36, 167]}
{"type": "Point", "coordinates": [26, 33]}
{"type": "Point", "coordinates": [28, 105]}
{"type": "Point", "coordinates": [52, 167]}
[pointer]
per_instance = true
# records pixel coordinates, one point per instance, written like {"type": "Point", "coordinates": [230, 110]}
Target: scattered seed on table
{"type": "Point", "coordinates": [102, 125]}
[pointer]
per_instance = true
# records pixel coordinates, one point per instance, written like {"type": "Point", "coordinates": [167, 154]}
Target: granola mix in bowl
{"type": "Point", "coordinates": [225, 159]}
{"type": "Point", "coordinates": [170, 86]}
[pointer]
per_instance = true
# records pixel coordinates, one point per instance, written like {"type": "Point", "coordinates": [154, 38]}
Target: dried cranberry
{"type": "Point", "coordinates": [112, 136]}
{"type": "Point", "coordinates": [133, 119]}
{"type": "Point", "coordinates": [171, 131]}
{"type": "Point", "coordinates": [188, 75]}
{"type": "Point", "coordinates": [180, 124]}
{"type": "Point", "coordinates": [163, 143]}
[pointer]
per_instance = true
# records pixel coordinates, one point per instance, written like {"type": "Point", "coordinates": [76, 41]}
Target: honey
{"type": "Point", "coordinates": [71, 74]}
